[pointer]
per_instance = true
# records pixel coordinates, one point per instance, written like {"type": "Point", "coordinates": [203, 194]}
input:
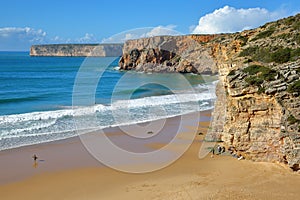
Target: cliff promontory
{"type": "Point", "coordinates": [83, 50]}
{"type": "Point", "coordinates": [257, 111]}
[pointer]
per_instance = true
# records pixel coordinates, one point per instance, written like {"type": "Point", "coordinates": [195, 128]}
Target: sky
{"type": "Point", "coordinates": [27, 22]}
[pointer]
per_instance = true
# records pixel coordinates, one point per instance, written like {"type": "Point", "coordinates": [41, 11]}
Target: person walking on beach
{"type": "Point", "coordinates": [35, 164]}
{"type": "Point", "coordinates": [34, 158]}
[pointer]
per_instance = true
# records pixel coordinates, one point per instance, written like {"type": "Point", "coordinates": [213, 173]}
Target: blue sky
{"type": "Point", "coordinates": [26, 22]}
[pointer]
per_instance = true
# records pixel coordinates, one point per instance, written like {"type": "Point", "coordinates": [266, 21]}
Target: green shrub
{"type": "Point", "coordinates": [265, 72]}
{"type": "Point", "coordinates": [264, 34]}
{"type": "Point", "coordinates": [269, 75]}
{"type": "Point", "coordinates": [254, 80]}
{"type": "Point", "coordinates": [292, 120]}
{"type": "Point", "coordinates": [252, 69]}
{"type": "Point", "coordinates": [297, 38]}
{"type": "Point", "coordinates": [258, 54]}
{"type": "Point", "coordinates": [295, 87]}
{"type": "Point", "coordinates": [249, 51]}
{"type": "Point", "coordinates": [263, 55]}
{"type": "Point", "coordinates": [295, 54]}
{"type": "Point", "coordinates": [243, 39]}
{"type": "Point", "coordinates": [261, 90]}
{"type": "Point", "coordinates": [289, 21]}
{"type": "Point", "coordinates": [231, 73]}
{"type": "Point", "coordinates": [258, 74]}
{"type": "Point", "coordinates": [296, 25]}
{"type": "Point", "coordinates": [284, 36]}
{"type": "Point", "coordinates": [248, 60]}
{"type": "Point", "coordinates": [282, 55]}
{"type": "Point", "coordinates": [275, 54]}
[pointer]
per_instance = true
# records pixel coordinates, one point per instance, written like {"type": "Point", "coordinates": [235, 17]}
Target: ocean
{"type": "Point", "coordinates": [41, 96]}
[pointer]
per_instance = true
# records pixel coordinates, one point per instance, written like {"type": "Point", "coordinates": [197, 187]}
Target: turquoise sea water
{"type": "Point", "coordinates": [36, 95]}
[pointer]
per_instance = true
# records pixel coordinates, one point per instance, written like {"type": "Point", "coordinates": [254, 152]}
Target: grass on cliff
{"type": "Point", "coordinates": [292, 120]}
{"type": "Point", "coordinates": [271, 54]}
{"type": "Point", "coordinates": [264, 34]}
{"type": "Point", "coordinates": [257, 74]}
{"type": "Point", "coordinates": [290, 38]}
{"type": "Point", "coordinates": [244, 39]}
{"type": "Point", "coordinates": [295, 87]}
{"type": "Point", "coordinates": [262, 72]}
{"type": "Point", "coordinates": [293, 21]}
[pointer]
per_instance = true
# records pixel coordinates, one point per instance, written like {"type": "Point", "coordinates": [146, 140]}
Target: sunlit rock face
{"type": "Point", "coordinates": [257, 111]}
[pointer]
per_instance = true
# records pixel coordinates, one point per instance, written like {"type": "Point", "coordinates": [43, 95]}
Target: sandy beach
{"type": "Point", "coordinates": [65, 170]}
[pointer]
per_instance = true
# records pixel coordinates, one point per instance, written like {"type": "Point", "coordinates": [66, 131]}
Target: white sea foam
{"type": "Point", "coordinates": [117, 68]}
{"type": "Point", "coordinates": [131, 103]}
{"type": "Point", "coordinates": [36, 127]}
{"type": "Point", "coordinates": [162, 100]}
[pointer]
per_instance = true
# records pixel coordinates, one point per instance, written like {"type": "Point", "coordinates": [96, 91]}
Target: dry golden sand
{"type": "Point", "coordinates": [220, 177]}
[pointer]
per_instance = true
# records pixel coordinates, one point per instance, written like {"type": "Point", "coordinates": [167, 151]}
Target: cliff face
{"type": "Point", "coordinates": [181, 54]}
{"type": "Point", "coordinates": [257, 111]}
{"type": "Point", "coordinates": [83, 50]}
{"type": "Point", "coordinates": [263, 116]}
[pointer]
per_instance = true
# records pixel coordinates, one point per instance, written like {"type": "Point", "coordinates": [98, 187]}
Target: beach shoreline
{"type": "Point", "coordinates": [66, 170]}
{"type": "Point", "coordinates": [63, 154]}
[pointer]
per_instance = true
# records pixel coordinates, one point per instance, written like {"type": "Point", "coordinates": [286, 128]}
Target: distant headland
{"type": "Point", "coordinates": [77, 50]}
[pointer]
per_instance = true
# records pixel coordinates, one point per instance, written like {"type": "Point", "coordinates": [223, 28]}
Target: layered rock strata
{"type": "Point", "coordinates": [80, 50]}
{"type": "Point", "coordinates": [257, 111]}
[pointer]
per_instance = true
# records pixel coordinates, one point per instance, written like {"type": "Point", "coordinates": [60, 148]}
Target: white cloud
{"type": "Point", "coordinates": [229, 20]}
{"type": "Point", "coordinates": [20, 38]}
{"type": "Point", "coordinates": [57, 39]}
{"type": "Point", "coordinates": [141, 33]}
{"type": "Point", "coordinates": [87, 38]}
{"type": "Point", "coordinates": [22, 33]}
{"type": "Point", "coordinates": [161, 30]}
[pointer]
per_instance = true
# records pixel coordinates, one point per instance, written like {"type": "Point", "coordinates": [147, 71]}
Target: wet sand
{"type": "Point", "coordinates": [65, 170]}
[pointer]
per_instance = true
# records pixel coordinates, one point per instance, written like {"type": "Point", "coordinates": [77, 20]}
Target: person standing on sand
{"type": "Point", "coordinates": [34, 158]}
{"type": "Point", "coordinates": [35, 164]}
{"type": "Point", "coordinates": [219, 148]}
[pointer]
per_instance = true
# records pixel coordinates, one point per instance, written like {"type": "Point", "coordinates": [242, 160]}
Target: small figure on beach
{"type": "Point", "coordinates": [213, 152]}
{"type": "Point", "coordinates": [34, 157]}
{"type": "Point", "coordinates": [219, 148]}
{"type": "Point", "coordinates": [234, 155]}
{"type": "Point", "coordinates": [223, 149]}
{"type": "Point", "coordinates": [35, 164]}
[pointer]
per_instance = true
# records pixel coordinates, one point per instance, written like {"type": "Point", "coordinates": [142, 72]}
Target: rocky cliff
{"type": "Point", "coordinates": [101, 50]}
{"type": "Point", "coordinates": [169, 54]}
{"type": "Point", "coordinates": [257, 111]}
